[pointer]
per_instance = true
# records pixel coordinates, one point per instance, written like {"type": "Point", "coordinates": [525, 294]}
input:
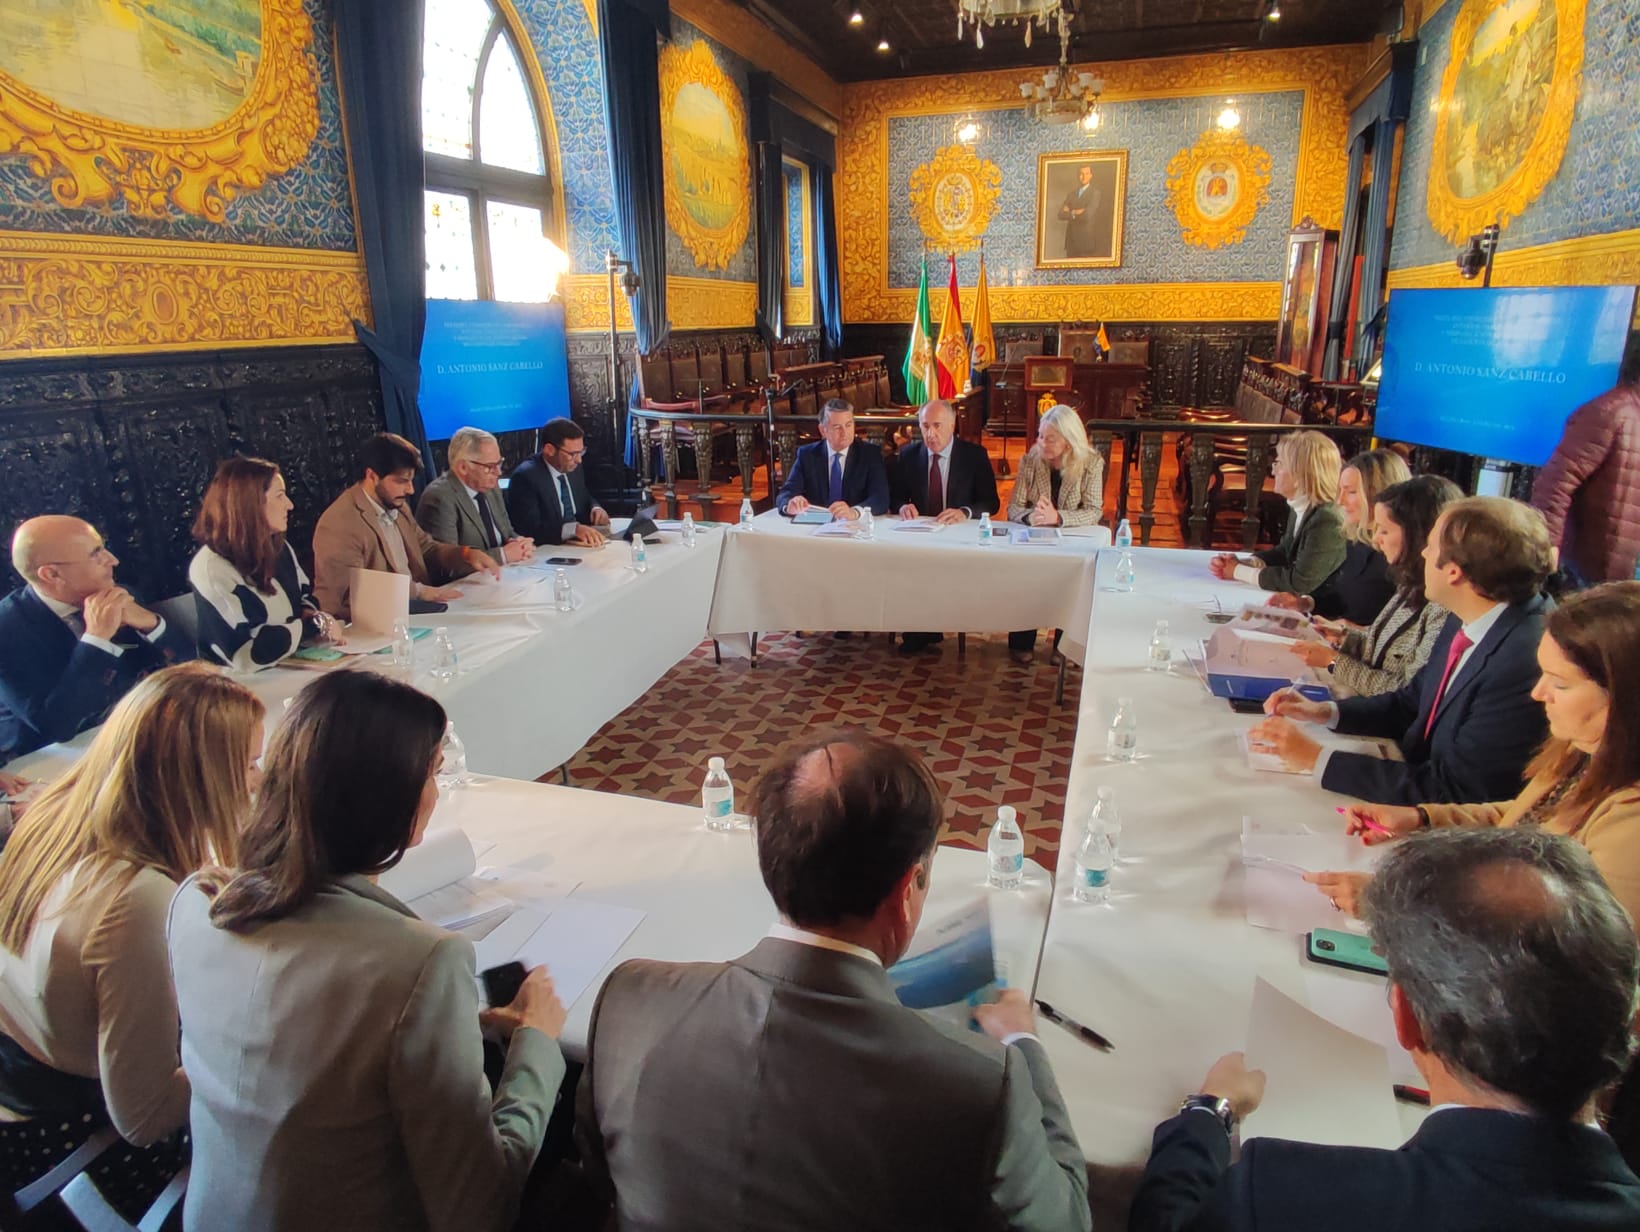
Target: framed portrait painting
{"type": "Point", "coordinates": [1079, 204]}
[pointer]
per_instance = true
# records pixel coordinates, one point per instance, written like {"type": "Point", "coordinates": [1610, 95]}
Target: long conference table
{"type": "Point", "coordinates": [1165, 969]}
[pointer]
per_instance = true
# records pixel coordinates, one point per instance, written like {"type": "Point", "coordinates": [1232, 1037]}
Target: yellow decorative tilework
{"type": "Point", "coordinates": [69, 295]}
{"type": "Point", "coordinates": [586, 304]}
{"type": "Point", "coordinates": [1324, 75]}
{"type": "Point", "coordinates": [707, 303]}
{"type": "Point", "coordinates": [1595, 260]}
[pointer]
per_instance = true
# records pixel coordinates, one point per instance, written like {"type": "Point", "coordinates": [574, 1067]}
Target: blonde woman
{"type": "Point", "coordinates": [1061, 482]}
{"type": "Point", "coordinates": [88, 1018]}
{"type": "Point", "coordinates": [1362, 585]}
{"type": "Point", "coordinates": [1312, 549]}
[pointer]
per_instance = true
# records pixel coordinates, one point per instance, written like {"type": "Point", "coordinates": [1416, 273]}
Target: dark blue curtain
{"type": "Point", "coordinates": [378, 44]}
{"type": "Point", "coordinates": [627, 31]}
{"type": "Point", "coordinates": [771, 240]}
{"type": "Point", "coordinates": [828, 284]}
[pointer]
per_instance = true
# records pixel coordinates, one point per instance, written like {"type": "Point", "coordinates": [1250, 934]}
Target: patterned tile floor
{"type": "Point", "coordinates": [989, 728]}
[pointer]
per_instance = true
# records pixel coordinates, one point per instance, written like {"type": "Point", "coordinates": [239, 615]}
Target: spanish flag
{"type": "Point", "coordinates": [921, 371]}
{"type": "Point", "coordinates": [952, 351]}
{"type": "Point", "coordinates": [984, 350]}
{"type": "Point", "coordinates": [1104, 340]}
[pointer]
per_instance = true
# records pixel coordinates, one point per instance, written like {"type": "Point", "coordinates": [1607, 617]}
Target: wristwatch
{"type": "Point", "coordinates": [1217, 1105]}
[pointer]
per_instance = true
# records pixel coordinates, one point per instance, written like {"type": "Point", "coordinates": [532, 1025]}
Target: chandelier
{"type": "Point", "coordinates": [983, 13]}
{"type": "Point", "coordinates": [1061, 97]}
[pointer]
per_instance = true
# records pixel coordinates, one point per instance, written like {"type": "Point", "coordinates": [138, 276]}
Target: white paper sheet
{"type": "Point", "coordinates": [377, 599]}
{"type": "Point", "coordinates": [442, 857]}
{"type": "Point", "coordinates": [840, 529]}
{"type": "Point", "coordinates": [1359, 1004]}
{"type": "Point", "coordinates": [1325, 1085]}
{"type": "Point", "coordinates": [920, 526]}
{"type": "Point", "coordinates": [575, 942]}
{"type": "Point", "coordinates": [1262, 761]}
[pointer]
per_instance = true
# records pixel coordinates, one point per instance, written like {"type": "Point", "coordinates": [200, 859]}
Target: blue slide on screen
{"type": "Point", "coordinates": [1496, 371]}
{"type": "Point", "coordinates": [492, 365]}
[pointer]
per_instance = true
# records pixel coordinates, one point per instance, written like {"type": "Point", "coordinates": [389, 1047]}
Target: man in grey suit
{"type": "Point", "coordinates": [464, 505]}
{"type": "Point", "coordinates": [788, 1089]}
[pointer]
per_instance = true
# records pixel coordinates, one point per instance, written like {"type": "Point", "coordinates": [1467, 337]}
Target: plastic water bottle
{"type": "Point", "coordinates": [1105, 817]}
{"type": "Point", "coordinates": [1122, 744]}
{"type": "Point", "coordinates": [1161, 648]}
{"type": "Point", "coordinates": [1005, 850]}
{"type": "Point", "coordinates": [404, 650]}
{"type": "Point", "coordinates": [688, 530]}
{"type": "Point", "coordinates": [563, 595]}
{"type": "Point", "coordinates": [453, 773]}
{"type": "Point", "coordinates": [717, 797]}
{"type": "Point", "coordinates": [985, 530]}
{"type": "Point", "coordinates": [746, 514]}
{"type": "Point", "coordinates": [1124, 572]}
{"type": "Point", "coordinates": [1093, 864]}
{"type": "Point", "coordinates": [868, 528]}
{"type": "Point", "coordinates": [445, 659]}
{"type": "Point", "coordinates": [1124, 535]}
{"type": "Point", "coordinates": [640, 558]}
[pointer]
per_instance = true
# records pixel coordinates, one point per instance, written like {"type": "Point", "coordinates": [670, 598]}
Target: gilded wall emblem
{"type": "Point", "coordinates": [1216, 187]}
{"type": "Point", "coordinates": [953, 196]}
{"type": "Point", "coordinates": [164, 105]}
{"type": "Point", "coordinates": [1505, 110]}
{"type": "Point", "coordinates": [707, 168]}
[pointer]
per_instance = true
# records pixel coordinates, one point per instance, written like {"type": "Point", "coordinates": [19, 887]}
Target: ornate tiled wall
{"type": "Point", "coordinates": [120, 235]}
{"type": "Point", "coordinates": [1152, 131]}
{"type": "Point", "coordinates": [1293, 108]}
{"type": "Point", "coordinates": [1582, 221]}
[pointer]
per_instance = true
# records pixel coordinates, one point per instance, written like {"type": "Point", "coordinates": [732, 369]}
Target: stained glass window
{"type": "Point", "coordinates": [489, 193]}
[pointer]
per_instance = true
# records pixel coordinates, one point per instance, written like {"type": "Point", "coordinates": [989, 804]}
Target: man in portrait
{"type": "Point", "coordinates": [1080, 213]}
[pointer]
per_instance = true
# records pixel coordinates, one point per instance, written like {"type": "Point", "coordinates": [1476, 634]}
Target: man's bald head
{"type": "Point", "coordinates": [938, 421]}
{"type": "Point", "coordinates": [840, 820]}
{"type": "Point", "coordinates": [63, 556]}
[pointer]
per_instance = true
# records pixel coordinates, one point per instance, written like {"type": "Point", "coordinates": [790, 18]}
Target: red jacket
{"type": "Point", "coordinates": [1589, 490]}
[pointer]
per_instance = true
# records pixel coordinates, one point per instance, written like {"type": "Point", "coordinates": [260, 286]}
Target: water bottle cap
{"type": "Point", "coordinates": [1006, 813]}
{"type": "Point", "coordinates": [1106, 793]}
{"type": "Point", "coordinates": [441, 631]}
{"type": "Point", "coordinates": [1161, 626]}
{"type": "Point", "coordinates": [714, 763]}
{"type": "Point", "coordinates": [1124, 701]}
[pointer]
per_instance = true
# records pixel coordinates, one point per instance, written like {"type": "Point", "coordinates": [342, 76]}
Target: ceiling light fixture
{"type": "Point", "coordinates": [882, 45]}
{"type": "Point", "coordinates": [1275, 11]}
{"type": "Point", "coordinates": [856, 18]}
{"type": "Point", "coordinates": [1229, 118]}
{"type": "Point", "coordinates": [967, 131]}
{"type": "Point", "coordinates": [983, 13]}
{"type": "Point", "coordinates": [1061, 97]}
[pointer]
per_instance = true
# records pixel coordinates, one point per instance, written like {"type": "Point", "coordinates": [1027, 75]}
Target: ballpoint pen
{"type": "Point", "coordinates": [1075, 1028]}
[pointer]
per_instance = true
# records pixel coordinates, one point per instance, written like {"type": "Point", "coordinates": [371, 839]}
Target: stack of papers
{"type": "Point", "coordinates": [840, 529]}
{"type": "Point", "coordinates": [574, 939]}
{"type": "Point", "coordinates": [1278, 897]}
{"type": "Point", "coordinates": [920, 526]}
{"type": "Point", "coordinates": [1038, 535]}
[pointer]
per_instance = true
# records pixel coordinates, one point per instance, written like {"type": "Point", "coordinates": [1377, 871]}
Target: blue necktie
{"type": "Point", "coordinates": [566, 502]}
{"type": "Point", "coordinates": [836, 479]}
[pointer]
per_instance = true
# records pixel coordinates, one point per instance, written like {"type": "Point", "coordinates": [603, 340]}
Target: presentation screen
{"type": "Point", "coordinates": [492, 365]}
{"type": "Point", "coordinates": [1496, 371]}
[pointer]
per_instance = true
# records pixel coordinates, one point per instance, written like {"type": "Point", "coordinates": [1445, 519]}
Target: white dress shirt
{"type": "Point", "coordinates": [74, 618]}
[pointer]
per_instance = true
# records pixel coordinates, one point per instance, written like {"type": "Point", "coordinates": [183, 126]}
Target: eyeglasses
{"type": "Point", "coordinates": [485, 466]}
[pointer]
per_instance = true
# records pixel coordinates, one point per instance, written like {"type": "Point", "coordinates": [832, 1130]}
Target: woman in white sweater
{"type": "Point", "coordinates": [88, 1018]}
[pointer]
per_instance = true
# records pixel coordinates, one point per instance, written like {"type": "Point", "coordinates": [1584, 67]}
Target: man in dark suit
{"type": "Point", "coordinates": [1466, 723]}
{"type": "Point", "coordinates": [1081, 214]}
{"type": "Point", "coordinates": [789, 1088]}
{"type": "Point", "coordinates": [942, 478]}
{"type": "Point", "coordinates": [547, 495]}
{"type": "Point", "coordinates": [464, 504]}
{"type": "Point", "coordinates": [72, 641]}
{"type": "Point", "coordinates": [1512, 983]}
{"type": "Point", "coordinates": [837, 472]}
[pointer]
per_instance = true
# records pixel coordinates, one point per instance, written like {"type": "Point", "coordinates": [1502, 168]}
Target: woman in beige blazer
{"type": "Point", "coordinates": [332, 1039]}
{"type": "Point", "coordinates": [1586, 781]}
{"type": "Point", "coordinates": [1061, 482]}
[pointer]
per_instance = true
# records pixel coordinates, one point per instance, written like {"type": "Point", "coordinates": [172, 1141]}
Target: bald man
{"type": "Point", "coordinates": [72, 641]}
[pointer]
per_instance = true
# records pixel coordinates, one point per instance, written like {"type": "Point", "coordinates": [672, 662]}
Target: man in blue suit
{"type": "Point", "coordinates": [71, 641]}
{"type": "Point", "coordinates": [1466, 723]}
{"type": "Point", "coordinates": [837, 472]}
{"type": "Point", "coordinates": [547, 496]}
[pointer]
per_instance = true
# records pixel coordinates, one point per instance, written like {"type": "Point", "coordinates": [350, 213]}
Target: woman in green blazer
{"type": "Point", "coordinates": [1313, 547]}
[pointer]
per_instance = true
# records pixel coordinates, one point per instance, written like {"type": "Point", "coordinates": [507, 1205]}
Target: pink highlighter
{"type": "Point", "coordinates": [1366, 821]}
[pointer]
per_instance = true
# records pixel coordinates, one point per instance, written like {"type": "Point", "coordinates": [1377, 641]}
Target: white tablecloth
{"type": "Point", "coordinates": [784, 576]}
{"type": "Point", "coordinates": [535, 684]}
{"type": "Point", "coordinates": [701, 890]}
{"type": "Point", "coordinates": [1165, 970]}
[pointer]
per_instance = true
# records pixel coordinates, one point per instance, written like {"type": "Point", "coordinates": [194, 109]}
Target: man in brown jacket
{"type": "Point", "coordinates": [369, 527]}
{"type": "Point", "coordinates": [1589, 490]}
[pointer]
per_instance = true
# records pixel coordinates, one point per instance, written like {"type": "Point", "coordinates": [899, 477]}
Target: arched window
{"type": "Point", "coordinates": [489, 192]}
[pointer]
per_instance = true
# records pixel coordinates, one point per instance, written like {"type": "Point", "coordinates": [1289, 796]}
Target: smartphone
{"type": "Point", "coordinates": [1352, 951]}
{"type": "Point", "coordinates": [501, 984]}
{"type": "Point", "coordinates": [1246, 705]}
{"type": "Point", "coordinates": [563, 561]}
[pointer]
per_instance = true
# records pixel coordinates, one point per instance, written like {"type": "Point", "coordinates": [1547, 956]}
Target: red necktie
{"type": "Point", "coordinates": [936, 489]}
{"type": "Point", "coordinates": [1454, 652]}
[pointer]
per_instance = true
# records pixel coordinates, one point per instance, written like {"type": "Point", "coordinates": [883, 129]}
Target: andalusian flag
{"type": "Point", "coordinates": [921, 372]}
{"type": "Point", "coordinates": [952, 351]}
{"type": "Point", "coordinates": [984, 350]}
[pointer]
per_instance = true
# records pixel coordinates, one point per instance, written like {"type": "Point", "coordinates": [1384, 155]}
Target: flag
{"type": "Point", "coordinates": [919, 356]}
{"type": "Point", "coordinates": [984, 350]}
{"type": "Point", "coordinates": [1104, 340]}
{"type": "Point", "coordinates": [952, 351]}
